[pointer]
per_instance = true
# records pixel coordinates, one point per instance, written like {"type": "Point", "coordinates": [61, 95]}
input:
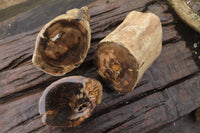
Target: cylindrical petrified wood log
{"type": "Point", "coordinates": [63, 43]}
{"type": "Point", "coordinates": [69, 101]}
{"type": "Point", "coordinates": [124, 55]}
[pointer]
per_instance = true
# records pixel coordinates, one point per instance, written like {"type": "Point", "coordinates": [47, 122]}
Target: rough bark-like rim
{"type": "Point", "coordinates": [186, 13]}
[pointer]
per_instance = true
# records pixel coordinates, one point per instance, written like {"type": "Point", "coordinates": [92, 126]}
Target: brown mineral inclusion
{"type": "Point", "coordinates": [63, 43]}
{"type": "Point", "coordinates": [117, 66]}
{"type": "Point", "coordinates": [69, 101]}
{"type": "Point", "coordinates": [197, 115]}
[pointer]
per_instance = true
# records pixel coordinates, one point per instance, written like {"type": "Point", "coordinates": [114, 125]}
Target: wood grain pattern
{"type": "Point", "coordinates": [33, 14]}
{"type": "Point", "coordinates": [4, 4]}
{"type": "Point", "coordinates": [146, 114]}
{"type": "Point", "coordinates": [167, 91]}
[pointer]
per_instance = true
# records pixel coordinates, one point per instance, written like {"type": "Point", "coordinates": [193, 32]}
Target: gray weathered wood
{"type": "Point", "coordinates": [167, 91]}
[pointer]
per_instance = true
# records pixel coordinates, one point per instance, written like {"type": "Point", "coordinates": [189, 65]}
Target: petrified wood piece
{"type": "Point", "coordinates": [63, 43]}
{"type": "Point", "coordinates": [124, 55]}
{"type": "Point", "coordinates": [186, 13]}
{"type": "Point", "coordinates": [69, 101]}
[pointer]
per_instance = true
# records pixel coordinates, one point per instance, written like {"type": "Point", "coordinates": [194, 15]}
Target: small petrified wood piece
{"type": "Point", "coordinates": [63, 43]}
{"type": "Point", "coordinates": [69, 101]}
{"type": "Point", "coordinates": [124, 55]}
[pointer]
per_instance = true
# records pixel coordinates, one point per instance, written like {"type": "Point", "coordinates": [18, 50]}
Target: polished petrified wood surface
{"type": "Point", "coordinates": [69, 101]}
{"type": "Point", "coordinates": [63, 43]}
{"type": "Point", "coordinates": [168, 90]}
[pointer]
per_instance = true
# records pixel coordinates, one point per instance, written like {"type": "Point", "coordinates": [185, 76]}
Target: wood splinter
{"type": "Point", "coordinates": [69, 101]}
{"type": "Point", "coordinates": [63, 43]}
{"type": "Point", "coordinates": [124, 55]}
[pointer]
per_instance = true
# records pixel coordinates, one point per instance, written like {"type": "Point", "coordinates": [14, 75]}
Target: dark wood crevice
{"type": "Point", "coordinates": [15, 63]}
{"type": "Point", "coordinates": [102, 13]}
{"type": "Point", "coordinates": [25, 122]}
{"type": "Point", "coordinates": [179, 81]}
{"type": "Point", "coordinates": [40, 87]}
{"type": "Point", "coordinates": [38, 129]}
{"type": "Point", "coordinates": [130, 118]}
{"type": "Point", "coordinates": [139, 97]}
{"type": "Point", "coordinates": [21, 94]}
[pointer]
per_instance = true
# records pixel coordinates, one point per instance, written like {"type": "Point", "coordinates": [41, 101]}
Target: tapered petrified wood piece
{"type": "Point", "coordinates": [124, 55]}
{"type": "Point", "coordinates": [69, 101]}
{"type": "Point", "coordinates": [63, 43]}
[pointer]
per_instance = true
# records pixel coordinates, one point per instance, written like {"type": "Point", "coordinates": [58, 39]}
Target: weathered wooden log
{"type": "Point", "coordinates": [63, 43]}
{"type": "Point", "coordinates": [69, 101]}
{"type": "Point", "coordinates": [21, 84]}
{"type": "Point", "coordinates": [124, 55]}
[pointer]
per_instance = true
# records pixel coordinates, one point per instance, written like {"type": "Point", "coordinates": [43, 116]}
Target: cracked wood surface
{"type": "Point", "coordinates": [168, 90]}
